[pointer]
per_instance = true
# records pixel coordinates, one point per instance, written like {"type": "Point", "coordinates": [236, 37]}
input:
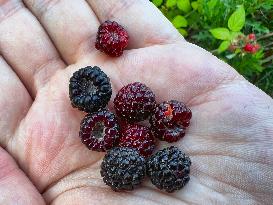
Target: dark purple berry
{"type": "Point", "coordinates": [99, 131]}
{"type": "Point", "coordinates": [89, 89]}
{"type": "Point", "coordinates": [123, 168]}
{"type": "Point", "coordinates": [169, 169]}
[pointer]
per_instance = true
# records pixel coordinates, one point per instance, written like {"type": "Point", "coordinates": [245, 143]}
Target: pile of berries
{"type": "Point", "coordinates": [130, 145]}
{"type": "Point", "coordinates": [246, 43]}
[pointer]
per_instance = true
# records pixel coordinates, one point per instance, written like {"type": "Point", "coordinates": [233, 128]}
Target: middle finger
{"type": "Point", "coordinates": [72, 25]}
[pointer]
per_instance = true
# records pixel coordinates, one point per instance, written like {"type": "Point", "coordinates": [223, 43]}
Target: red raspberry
{"type": "Point", "coordinates": [134, 102]}
{"type": "Point", "coordinates": [249, 48]}
{"type": "Point", "coordinates": [112, 38]}
{"type": "Point", "coordinates": [256, 48]}
{"type": "Point", "coordinates": [169, 120]}
{"type": "Point", "coordinates": [99, 131]}
{"type": "Point", "coordinates": [251, 36]}
{"type": "Point", "coordinates": [138, 137]}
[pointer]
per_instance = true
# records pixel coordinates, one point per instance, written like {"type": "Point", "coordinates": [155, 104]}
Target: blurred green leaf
{"type": "Point", "coordinates": [220, 33]}
{"type": "Point", "coordinates": [234, 34]}
{"type": "Point", "coordinates": [194, 5]}
{"type": "Point", "coordinates": [184, 5]}
{"type": "Point", "coordinates": [212, 4]}
{"type": "Point", "coordinates": [183, 32]}
{"type": "Point", "coordinates": [237, 20]}
{"type": "Point", "coordinates": [157, 2]}
{"type": "Point", "coordinates": [171, 3]}
{"type": "Point", "coordinates": [180, 21]}
{"type": "Point", "coordinates": [223, 46]}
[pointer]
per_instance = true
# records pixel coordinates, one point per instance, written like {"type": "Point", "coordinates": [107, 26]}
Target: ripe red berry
{"type": "Point", "coordinates": [138, 137]}
{"type": "Point", "coordinates": [134, 102]}
{"type": "Point", "coordinates": [169, 120]}
{"type": "Point", "coordinates": [252, 48]}
{"type": "Point", "coordinates": [249, 48]}
{"type": "Point", "coordinates": [251, 36]}
{"type": "Point", "coordinates": [112, 38]}
{"type": "Point", "coordinates": [256, 47]}
{"type": "Point", "coordinates": [99, 131]}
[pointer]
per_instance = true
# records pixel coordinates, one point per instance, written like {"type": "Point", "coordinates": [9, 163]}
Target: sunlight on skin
{"type": "Point", "coordinates": [229, 141]}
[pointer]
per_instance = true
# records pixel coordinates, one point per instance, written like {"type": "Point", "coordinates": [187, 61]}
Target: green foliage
{"type": "Point", "coordinates": [223, 46]}
{"type": "Point", "coordinates": [220, 33]}
{"type": "Point", "coordinates": [184, 5]}
{"type": "Point", "coordinates": [237, 20]}
{"type": "Point", "coordinates": [222, 27]}
{"type": "Point", "coordinates": [180, 21]}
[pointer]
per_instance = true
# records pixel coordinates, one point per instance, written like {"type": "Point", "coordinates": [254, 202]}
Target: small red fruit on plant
{"type": "Point", "coordinates": [252, 36]}
{"type": "Point", "coordinates": [249, 48]}
{"type": "Point", "coordinates": [256, 47]}
{"type": "Point", "coordinates": [112, 38]}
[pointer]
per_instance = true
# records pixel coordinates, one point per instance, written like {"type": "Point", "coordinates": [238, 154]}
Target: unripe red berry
{"type": "Point", "coordinates": [251, 36]}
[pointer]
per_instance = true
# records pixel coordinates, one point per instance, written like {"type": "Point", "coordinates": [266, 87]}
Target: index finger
{"type": "Point", "coordinates": [145, 24]}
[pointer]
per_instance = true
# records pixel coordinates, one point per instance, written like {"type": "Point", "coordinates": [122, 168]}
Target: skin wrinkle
{"type": "Point", "coordinates": [66, 177]}
{"type": "Point", "coordinates": [195, 154]}
{"type": "Point", "coordinates": [167, 195]}
{"type": "Point", "coordinates": [107, 189]}
{"type": "Point", "coordinates": [21, 108]}
{"type": "Point", "coordinates": [206, 95]}
{"type": "Point", "coordinates": [220, 180]}
{"type": "Point", "coordinates": [44, 6]}
{"type": "Point", "coordinates": [40, 80]}
{"type": "Point", "coordinates": [88, 40]}
{"type": "Point", "coordinates": [118, 8]}
{"type": "Point", "coordinates": [9, 8]}
{"type": "Point", "coordinates": [27, 69]}
{"type": "Point", "coordinates": [234, 195]}
{"type": "Point", "coordinates": [251, 192]}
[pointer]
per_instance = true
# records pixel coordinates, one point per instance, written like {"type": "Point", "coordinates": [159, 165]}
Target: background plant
{"type": "Point", "coordinates": [240, 32]}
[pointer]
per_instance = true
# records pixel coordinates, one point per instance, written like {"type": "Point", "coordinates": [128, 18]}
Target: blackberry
{"type": "Point", "coordinates": [89, 89]}
{"type": "Point", "coordinates": [99, 131]}
{"type": "Point", "coordinates": [123, 168]}
{"type": "Point", "coordinates": [169, 169]}
{"type": "Point", "coordinates": [112, 38]}
{"type": "Point", "coordinates": [134, 102]}
{"type": "Point", "coordinates": [138, 137]}
{"type": "Point", "coordinates": [169, 120]}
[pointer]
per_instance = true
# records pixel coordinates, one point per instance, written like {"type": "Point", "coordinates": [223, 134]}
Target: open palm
{"type": "Point", "coordinates": [230, 140]}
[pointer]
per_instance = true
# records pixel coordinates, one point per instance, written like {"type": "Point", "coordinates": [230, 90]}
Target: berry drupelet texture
{"type": "Point", "coordinates": [169, 169]}
{"type": "Point", "coordinates": [138, 137]}
{"type": "Point", "coordinates": [89, 89]}
{"type": "Point", "coordinates": [169, 120]}
{"type": "Point", "coordinates": [112, 38]}
{"type": "Point", "coordinates": [99, 131]}
{"type": "Point", "coordinates": [134, 102]}
{"type": "Point", "coordinates": [123, 168]}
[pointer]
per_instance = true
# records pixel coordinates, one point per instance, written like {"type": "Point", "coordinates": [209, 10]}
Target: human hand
{"type": "Point", "coordinates": [230, 140]}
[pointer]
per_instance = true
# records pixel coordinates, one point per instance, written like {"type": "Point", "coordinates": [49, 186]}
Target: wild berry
{"type": "Point", "coordinates": [138, 137]}
{"type": "Point", "coordinates": [134, 102]}
{"type": "Point", "coordinates": [169, 169]}
{"type": "Point", "coordinates": [112, 38]}
{"type": "Point", "coordinates": [89, 89]}
{"type": "Point", "coordinates": [99, 131]}
{"type": "Point", "coordinates": [123, 168]}
{"type": "Point", "coordinates": [169, 120]}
